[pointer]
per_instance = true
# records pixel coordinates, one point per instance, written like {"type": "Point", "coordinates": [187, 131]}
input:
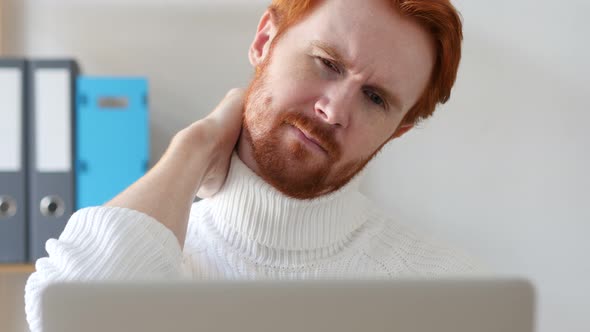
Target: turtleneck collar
{"type": "Point", "coordinates": [252, 215]}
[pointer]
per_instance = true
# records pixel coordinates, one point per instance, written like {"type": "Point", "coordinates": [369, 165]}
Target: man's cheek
{"type": "Point", "coordinates": [295, 82]}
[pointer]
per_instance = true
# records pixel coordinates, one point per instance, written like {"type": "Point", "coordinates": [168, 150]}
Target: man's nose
{"type": "Point", "coordinates": [335, 104]}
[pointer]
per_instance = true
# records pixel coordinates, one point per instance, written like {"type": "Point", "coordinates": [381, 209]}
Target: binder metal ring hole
{"type": "Point", "coordinates": [52, 206]}
{"type": "Point", "coordinates": [7, 207]}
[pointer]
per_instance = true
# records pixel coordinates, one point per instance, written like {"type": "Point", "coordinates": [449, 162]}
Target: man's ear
{"type": "Point", "coordinates": [402, 129]}
{"type": "Point", "coordinates": [264, 35]}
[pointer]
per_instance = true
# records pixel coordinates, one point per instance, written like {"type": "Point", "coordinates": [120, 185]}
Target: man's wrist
{"type": "Point", "coordinates": [190, 152]}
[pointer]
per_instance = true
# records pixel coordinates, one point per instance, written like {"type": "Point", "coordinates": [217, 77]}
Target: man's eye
{"type": "Point", "coordinates": [330, 65]}
{"type": "Point", "coordinates": [375, 98]}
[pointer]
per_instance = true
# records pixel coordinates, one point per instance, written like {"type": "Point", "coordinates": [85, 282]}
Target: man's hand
{"type": "Point", "coordinates": [224, 124]}
{"type": "Point", "coordinates": [196, 161]}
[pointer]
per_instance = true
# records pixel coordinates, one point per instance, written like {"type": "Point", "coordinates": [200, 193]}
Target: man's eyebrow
{"type": "Point", "coordinates": [392, 98]}
{"type": "Point", "coordinates": [332, 52]}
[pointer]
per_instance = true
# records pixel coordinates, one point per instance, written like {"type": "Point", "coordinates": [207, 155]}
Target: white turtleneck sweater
{"type": "Point", "coordinates": [248, 230]}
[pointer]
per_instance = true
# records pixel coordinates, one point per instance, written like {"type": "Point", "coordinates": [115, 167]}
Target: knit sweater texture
{"type": "Point", "coordinates": [248, 230]}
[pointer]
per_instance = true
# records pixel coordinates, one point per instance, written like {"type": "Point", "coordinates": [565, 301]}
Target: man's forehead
{"type": "Point", "coordinates": [359, 36]}
{"type": "Point", "coordinates": [372, 36]}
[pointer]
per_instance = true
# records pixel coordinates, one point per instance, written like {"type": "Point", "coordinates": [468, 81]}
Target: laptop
{"type": "Point", "coordinates": [423, 305]}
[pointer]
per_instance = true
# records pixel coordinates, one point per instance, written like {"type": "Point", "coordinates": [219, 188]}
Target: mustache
{"type": "Point", "coordinates": [323, 134]}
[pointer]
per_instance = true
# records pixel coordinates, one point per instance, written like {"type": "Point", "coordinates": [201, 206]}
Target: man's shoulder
{"type": "Point", "coordinates": [403, 250]}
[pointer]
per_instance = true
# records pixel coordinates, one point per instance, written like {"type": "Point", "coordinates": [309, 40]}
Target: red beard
{"type": "Point", "coordinates": [287, 165]}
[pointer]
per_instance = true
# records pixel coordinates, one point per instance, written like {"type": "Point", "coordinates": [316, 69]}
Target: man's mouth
{"type": "Point", "coordinates": [308, 137]}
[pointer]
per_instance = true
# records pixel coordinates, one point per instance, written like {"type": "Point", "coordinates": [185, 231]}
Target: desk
{"type": "Point", "coordinates": [12, 302]}
{"type": "Point", "coordinates": [1, 27]}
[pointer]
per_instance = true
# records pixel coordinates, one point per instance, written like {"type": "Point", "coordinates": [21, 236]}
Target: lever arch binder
{"type": "Point", "coordinates": [112, 135]}
{"type": "Point", "coordinates": [13, 201]}
{"type": "Point", "coordinates": [51, 153]}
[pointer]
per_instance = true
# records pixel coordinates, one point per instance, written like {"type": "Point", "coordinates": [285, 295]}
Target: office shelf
{"type": "Point", "coordinates": [17, 268]}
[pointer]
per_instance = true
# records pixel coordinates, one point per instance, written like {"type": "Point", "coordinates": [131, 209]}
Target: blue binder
{"type": "Point", "coordinates": [51, 121]}
{"type": "Point", "coordinates": [112, 136]}
{"type": "Point", "coordinates": [13, 156]}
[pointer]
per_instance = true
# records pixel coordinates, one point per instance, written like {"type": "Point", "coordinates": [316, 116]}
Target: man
{"type": "Point", "coordinates": [335, 81]}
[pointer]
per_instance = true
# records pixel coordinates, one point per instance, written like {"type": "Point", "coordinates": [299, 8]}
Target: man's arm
{"type": "Point", "coordinates": [196, 162]}
{"type": "Point", "coordinates": [117, 242]}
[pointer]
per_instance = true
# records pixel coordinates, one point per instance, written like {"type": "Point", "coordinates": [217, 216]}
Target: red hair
{"type": "Point", "coordinates": [438, 17]}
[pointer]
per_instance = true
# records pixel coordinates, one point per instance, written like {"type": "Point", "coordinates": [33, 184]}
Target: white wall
{"type": "Point", "coordinates": [500, 171]}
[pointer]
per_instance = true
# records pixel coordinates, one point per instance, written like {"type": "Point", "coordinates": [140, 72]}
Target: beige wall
{"type": "Point", "coordinates": [191, 54]}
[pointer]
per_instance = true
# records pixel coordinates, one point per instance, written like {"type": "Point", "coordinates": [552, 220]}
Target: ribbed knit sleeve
{"type": "Point", "coordinates": [105, 243]}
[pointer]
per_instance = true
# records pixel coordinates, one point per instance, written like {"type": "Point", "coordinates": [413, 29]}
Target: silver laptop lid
{"type": "Point", "coordinates": [459, 305]}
